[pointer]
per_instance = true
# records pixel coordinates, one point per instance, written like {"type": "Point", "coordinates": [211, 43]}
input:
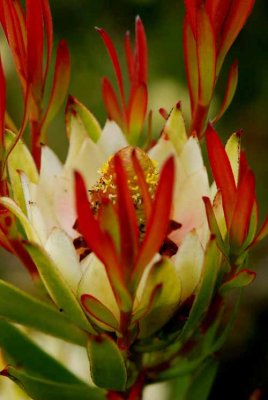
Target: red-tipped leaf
{"type": "Point", "coordinates": [243, 209]}
{"type": "Point", "coordinates": [137, 112]}
{"type": "Point", "coordinates": [206, 54]}
{"type": "Point", "coordinates": [129, 56]}
{"type": "Point", "coordinates": [111, 103]}
{"type": "Point", "coordinates": [129, 232]}
{"type": "Point", "coordinates": [141, 51]}
{"type": "Point", "coordinates": [222, 172]}
{"type": "Point", "coordinates": [2, 107]}
{"type": "Point", "coordinates": [114, 58]}
{"type": "Point", "coordinates": [35, 45]}
{"type": "Point", "coordinates": [49, 34]}
{"type": "Point", "coordinates": [230, 91]}
{"type": "Point", "coordinates": [60, 84]}
{"type": "Point", "coordinates": [158, 223]}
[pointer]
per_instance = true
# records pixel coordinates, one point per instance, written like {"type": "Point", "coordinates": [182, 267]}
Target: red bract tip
{"type": "Point", "coordinates": [222, 172]}
{"type": "Point", "coordinates": [2, 107]}
{"type": "Point", "coordinates": [131, 114]}
{"type": "Point", "coordinates": [158, 222]}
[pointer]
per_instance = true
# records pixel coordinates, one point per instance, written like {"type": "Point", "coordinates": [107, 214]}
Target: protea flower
{"type": "Point", "coordinates": [131, 249]}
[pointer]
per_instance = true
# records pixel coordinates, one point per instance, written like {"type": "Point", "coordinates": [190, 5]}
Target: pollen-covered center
{"type": "Point", "coordinates": [105, 187]}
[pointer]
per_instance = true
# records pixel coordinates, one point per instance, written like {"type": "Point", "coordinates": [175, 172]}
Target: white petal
{"type": "Point", "coordinates": [191, 156]}
{"type": "Point", "coordinates": [162, 151]}
{"type": "Point", "coordinates": [60, 248]}
{"type": "Point", "coordinates": [112, 139]}
{"type": "Point", "coordinates": [189, 208]}
{"type": "Point", "coordinates": [96, 283]}
{"type": "Point", "coordinates": [51, 168]}
{"type": "Point", "coordinates": [188, 263]}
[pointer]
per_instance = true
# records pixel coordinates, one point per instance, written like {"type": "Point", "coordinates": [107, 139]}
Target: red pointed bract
{"type": "Point", "coordinates": [146, 198]}
{"type": "Point", "coordinates": [129, 56]}
{"type": "Point", "coordinates": [141, 52]}
{"type": "Point", "coordinates": [111, 102]}
{"type": "Point", "coordinates": [114, 57]}
{"type": "Point", "coordinates": [49, 35]}
{"type": "Point", "coordinates": [35, 45]}
{"type": "Point", "coordinates": [158, 223]}
{"type": "Point", "coordinates": [129, 232]}
{"type": "Point", "coordinates": [222, 172]}
{"type": "Point", "coordinates": [2, 107]}
{"type": "Point", "coordinates": [243, 208]}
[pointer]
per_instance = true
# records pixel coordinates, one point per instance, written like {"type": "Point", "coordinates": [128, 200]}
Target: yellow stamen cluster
{"type": "Point", "coordinates": [105, 187]}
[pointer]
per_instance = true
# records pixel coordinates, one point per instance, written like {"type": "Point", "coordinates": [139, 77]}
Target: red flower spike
{"type": "Point", "coordinates": [217, 10]}
{"type": "Point", "coordinates": [158, 223]}
{"type": "Point", "coordinates": [243, 209]}
{"type": "Point", "coordinates": [129, 231]}
{"type": "Point", "coordinates": [222, 172]}
{"type": "Point", "coordinates": [147, 201]}
{"type": "Point", "coordinates": [35, 46]}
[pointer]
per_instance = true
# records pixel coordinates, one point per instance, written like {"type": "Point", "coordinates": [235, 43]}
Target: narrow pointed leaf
{"type": "Point", "coordinates": [230, 91]}
{"type": "Point", "coordinates": [190, 59]}
{"type": "Point", "coordinates": [202, 381]}
{"type": "Point", "coordinates": [57, 287]}
{"type": "Point", "coordinates": [141, 51]}
{"type": "Point", "coordinates": [242, 210]}
{"type": "Point", "coordinates": [2, 108]}
{"type": "Point", "coordinates": [158, 223]}
{"type": "Point", "coordinates": [35, 45]}
{"type": "Point", "coordinates": [222, 172]}
{"type": "Point", "coordinates": [137, 112]}
{"type": "Point", "coordinates": [127, 217]}
{"type": "Point", "coordinates": [21, 308]}
{"type": "Point", "coordinates": [49, 34]}
{"type": "Point", "coordinates": [239, 280]}
{"type": "Point", "coordinates": [43, 389]}
{"type": "Point", "coordinates": [114, 58]}
{"type": "Point", "coordinates": [237, 16]}
{"type": "Point", "coordinates": [263, 232]}
{"type": "Point", "coordinates": [204, 291]}
{"type": "Point", "coordinates": [206, 54]}
{"type": "Point", "coordinates": [27, 355]}
{"type": "Point", "coordinates": [129, 56]}
{"type": "Point", "coordinates": [60, 84]}
{"type": "Point", "coordinates": [146, 197]}
{"type": "Point", "coordinates": [99, 311]}
{"type": "Point", "coordinates": [107, 364]}
{"type": "Point", "coordinates": [111, 103]}
{"type": "Point", "coordinates": [213, 225]}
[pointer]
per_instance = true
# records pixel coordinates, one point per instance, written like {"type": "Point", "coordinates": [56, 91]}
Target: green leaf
{"type": "Point", "coordinates": [20, 159]}
{"type": "Point", "coordinates": [19, 307]}
{"type": "Point", "coordinates": [27, 355]}
{"type": "Point", "coordinates": [239, 280]}
{"type": "Point", "coordinates": [43, 389]}
{"type": "Point", "coordinates": [107, 364]}
{"type": "Point", "coordinates": [202, 381]}
{"type": "Point", "coordinates": [204, 291]}
{"type": "Point", "coordinates": [57, 287]}
{"type": "Point", "coordinates": [86, 120]}
{"type": "Point", "coordinates": [175, 128]}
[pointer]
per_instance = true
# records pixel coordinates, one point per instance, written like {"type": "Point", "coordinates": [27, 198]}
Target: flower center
{"type": "Point", "coordinates": [105, 187]}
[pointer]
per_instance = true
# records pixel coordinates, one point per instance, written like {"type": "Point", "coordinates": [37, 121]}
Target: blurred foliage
{"type": "Point", "coordinates": [74, 20]}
